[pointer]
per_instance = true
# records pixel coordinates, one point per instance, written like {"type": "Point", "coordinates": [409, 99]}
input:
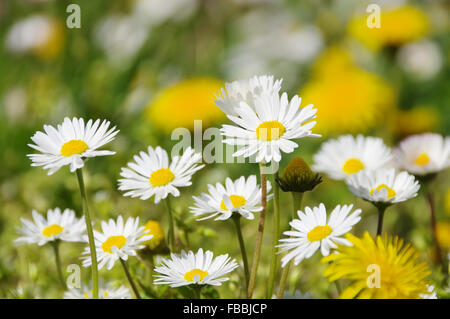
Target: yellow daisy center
{"type": "Point", "coordinates": [161, 177]}
{"type": "Point", "coordinates": [270, 130]}
{"type": "Point", "coordinates": [73, 147]}
{"type": "Point", "coordinates": [390, 191]}
{"type": "Point", "coordinates": [422, 159]}
{"type": "Point", "coordinates": [112, 241]}
{"type": "Point", "coordinates": [236, 200]}
{"type": "Point", "coordinates": [352, 165]}
{"type": "Point", "coordinates": [319, 233]}
{"type": "Point", "coordinates": [52, 230]}
{"type": "Point", "coordinates": [195, 275]}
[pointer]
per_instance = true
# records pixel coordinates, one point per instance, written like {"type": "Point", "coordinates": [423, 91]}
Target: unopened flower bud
{"type": "Point", "coordinates": [298, 177]}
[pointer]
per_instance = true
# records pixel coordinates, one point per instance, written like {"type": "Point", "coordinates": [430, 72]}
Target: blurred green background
{"type": "Point", "coordinates": [150, 66]}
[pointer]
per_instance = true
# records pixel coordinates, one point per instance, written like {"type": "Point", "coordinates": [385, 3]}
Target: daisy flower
{"type": "Point", "coordinates": [104, 292]}
{"type": "Point", "coordinates": [189, 268]}
{"type": "Point", "coordinates": [403, 276]}
{"type": "Point", "coordinates": [340, 158]}
{"type": "Point", "coordinates": [312, 231]}
{"type": "Point", "coordinates": [57, 226]}
{"type": "Point", "coordinates": [117, 240]}
{"type": "Point", "coordinates": [268, 128]}
{"type": "Point", "coordinates": [424, 154]}
{"type": "Point", "coordinates": [70, 143]}
{"type": "Point", "coordinates": [244, 91]}
{"type": "Point", "coordinates": [241, 196]}
{"type": "Point", "coordinates": [383, 186]}
{"type": "Point", "coordinates": [153, 175]}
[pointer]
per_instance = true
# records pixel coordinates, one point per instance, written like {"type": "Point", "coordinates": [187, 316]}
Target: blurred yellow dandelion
{"type": "Point", "coordinates": [398, 26]}
{"type": "Point", "coordinates": [400, 274]}
{"type": "Point", "coordinates": [182, 103]}
{"type": "Point", "coordinates": [443, 234]}
{"type": "Point", "coordinates": [153, 227]}
{"type": "Point", "coordinates": [348, 98]}
{"type": "Point", "coordinates": [416, 121]}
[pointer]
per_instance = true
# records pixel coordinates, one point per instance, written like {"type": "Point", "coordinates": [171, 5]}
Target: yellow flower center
{"type": "Point", "coordinates": [390, 191]}
{"type": "Point", "coordinates": [195, 275]}
{"type": "Point", "coordinates": [52, 230]}
{"type": "Point", "coordinates": [112, 241]}
{"type": "Point", "coordinates": [352, 165]}
{"type": "Point", "coordinates": [270, 130]}
{"type": "Point", "coordinates": [73, 147]}
{"type": "Point", "coordinates": [422, 159]}
{"type": "Point", "coordinates": [161, 177]}
{"type": "Point", "coordinates": [236, 200]}
{"type": "Point", "coordinates": [319, 233]}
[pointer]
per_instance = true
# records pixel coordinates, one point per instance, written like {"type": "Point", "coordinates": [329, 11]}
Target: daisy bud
{"type": "Point", "coordinates": [298, 177]}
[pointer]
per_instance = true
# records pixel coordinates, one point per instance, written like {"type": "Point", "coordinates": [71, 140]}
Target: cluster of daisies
{"type": "Point", "coordinates": [265, 124]}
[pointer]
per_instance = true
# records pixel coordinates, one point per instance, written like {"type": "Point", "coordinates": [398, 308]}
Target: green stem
{"type": "Point", "coordinates": [276, 235]}
{"type": "Point", "coordinates": [237, 222]}
{"type": "Point", "coordinates": [197, 291]}
{"type": "Point", "coordinates": [171, 235]}
{"type": "Point", "coordinates": [130, 279]}
{"type": "Point", "coordinates": [90, 233]}
{"type": "Point", "coordinates": [55, 245]}
{"type": "Point", "coordinates": [434, 231]}
{"type": "Point", "coordinates": [262, 215]}
{"type": "Point", "coordinates": [297, 204]}
{"type": "Point", "coordinates": [381, 210]}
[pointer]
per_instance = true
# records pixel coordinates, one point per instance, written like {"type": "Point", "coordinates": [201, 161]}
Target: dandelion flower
{"type": "Point", "coordinates": [189, 268]}
{"type": "Point", "coordinates": [402, 276]}
{"type": "Point", "coordinates": [241, 196]}
{"type": "Point", "coordinates": [57, 226]}
{"type": "Point", "coordinates": [340, 158]}
{"type": "Point", "coordinates": [104, 292]}
{"type": "Point", "coordinates": [244, 91]}
{"type": "Point", "coordinates": [153, 228]}
{"type": "Point", "coordinates": [182, 103]}
{"type": "Point", "coordinates": [348, 98]}
{"type": "Point", "coordinates": [443, 234]}
{"type": "Point", "coordinates": [312, 231]}
{"type": "Point", "coordinates": [268, 128]}
{"type": "Point", "coordinates": [117, 240]}
{"type": "Point", "coordinates": [152, 175]}
{"type": "Point", "coordinates": [398, 26]}
{"type": "Point", "coordinates": [418, 120]}
{"type": "Point", "coordinates": [385, 186]}
{"type": "Point", "coordinates": [70, 143]}
{"type": "Point", "coordinates": [424, 154]}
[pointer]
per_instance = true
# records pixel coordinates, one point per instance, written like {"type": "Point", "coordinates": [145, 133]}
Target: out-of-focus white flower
{"type": "Point", "coordinates": [423, 60]}
{"type": "Point", "coordinates": [15, 103]}
{"type": "Point", "coordinates": [37, 34]}
{"type": "Point", "coordinates": [154, 12]}
{"type": "Point", "coordinates": [120, 37]}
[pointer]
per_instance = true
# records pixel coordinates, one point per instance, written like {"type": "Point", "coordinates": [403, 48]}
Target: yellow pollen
{"type": "Point", "coordinates": [161, 177]}
{"type": "Point", "coordinates": [236, 200]}
{"type": "Point", "coordinates": [422, 159]}
{"type": "Point", "coordinates": [270, 130]}
{"type": "Point", "coordinates": [319, 233]}
{"type": "Point", "coordinates": [52, 230]}
{"type": "Point", "coordinates": [192, 274]}
{"type": "Point", "coordinates": [112, 241]}
{"type": "Point", "coordinates": [73, 147]}
{"type": "Point", "coordinates": [390, 191]}
{"type": "Point", "coordinates": [352, 165]}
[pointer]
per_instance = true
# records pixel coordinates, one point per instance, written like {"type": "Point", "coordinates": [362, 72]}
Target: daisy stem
{"type": "Point", "coordinates": [171, 226]}
{"type": "Point", "coordinates": [262, 215]}
{"type": "Point", "coordinates": [381, 210]}
{"type": "Point", "coordinates": [433, 229]}
{"type": "Point", "coordinates": [90, 233]}
{"type": "Point", "coordinates": [197, 289]}
{"type": "Point", "coordinates": [55, 245]}
{"type": "Point", "coordinates": [237, 222]}
{"type": "Point", "coordinates": [130, 279]}
{"type": "Point", "coordinates": [297, 204]}
{"type": "Point", "coordinates": [276, 234]}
